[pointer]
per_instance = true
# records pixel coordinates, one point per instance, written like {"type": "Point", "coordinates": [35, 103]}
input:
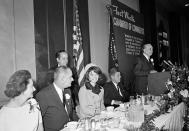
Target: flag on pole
{"type": "Point", "coordinates": [113, 58]}
{"type": "Point", "coordinates": [77, 45]}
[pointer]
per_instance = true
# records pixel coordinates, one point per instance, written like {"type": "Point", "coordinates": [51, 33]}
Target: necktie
{"type": "Point", "coordinates": [119, 90]}
{"type": "Point", "coordinates": [64, 99]}
{"type": "Point", "coordinates": [64, 103]}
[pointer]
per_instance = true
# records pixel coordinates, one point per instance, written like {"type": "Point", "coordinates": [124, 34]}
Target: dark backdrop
{"type": "Point", "coordinates": [53, 20]}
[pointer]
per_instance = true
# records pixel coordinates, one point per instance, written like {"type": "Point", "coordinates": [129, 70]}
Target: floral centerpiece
{"type": "Point", "coordinates": [177, 86]}
{"type": "Point", "coordinates": [177, 91]}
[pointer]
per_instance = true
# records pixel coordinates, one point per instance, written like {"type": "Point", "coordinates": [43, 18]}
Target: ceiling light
{"type": "Point", "coordinates": [187, 4]}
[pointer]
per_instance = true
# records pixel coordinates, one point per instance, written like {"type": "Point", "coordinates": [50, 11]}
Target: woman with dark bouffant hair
{"type": "Point", "coordinates": [91, 95]}
{"type": "Point", "coordinates": [22, 112]}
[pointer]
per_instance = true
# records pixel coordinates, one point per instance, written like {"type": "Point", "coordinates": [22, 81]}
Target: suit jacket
{"type": "Point", "coordinates": [141, 71]}
{"type": "Point", "coordinates": [53, 111]}
{"type": "Point", "coordinates": [111, 93]}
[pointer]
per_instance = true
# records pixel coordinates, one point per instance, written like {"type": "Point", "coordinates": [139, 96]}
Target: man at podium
{"type": "Point", "coordinates": [143, 68]}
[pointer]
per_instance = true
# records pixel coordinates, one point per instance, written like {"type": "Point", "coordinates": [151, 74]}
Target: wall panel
{"type": "Point", "coordinates": [17, 48]}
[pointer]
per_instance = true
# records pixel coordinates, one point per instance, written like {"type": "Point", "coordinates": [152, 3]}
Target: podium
{"type": "Point", "coordinates": [156, 83]}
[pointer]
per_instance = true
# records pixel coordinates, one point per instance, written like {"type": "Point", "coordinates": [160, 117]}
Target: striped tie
{"type": "Point", "coordinates": [64, 100]}
{"type": "Point", "coordinates": [64, 104]}
{"type": "Point", "coordinates": [119, 90]}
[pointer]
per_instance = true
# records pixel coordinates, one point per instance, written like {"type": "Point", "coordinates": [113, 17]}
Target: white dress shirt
{"type": "Point", "coordinates": [60, 94]}
{"type": "Point", "coordinates": [113, 101]}
{"type": "Point", "coordinates": [59, 91]}
{"type": "Point", "coordinates": [146, 56]}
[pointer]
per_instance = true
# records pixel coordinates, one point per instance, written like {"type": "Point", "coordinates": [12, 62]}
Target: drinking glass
{"type": "Point", "coordinates": [132, 101]}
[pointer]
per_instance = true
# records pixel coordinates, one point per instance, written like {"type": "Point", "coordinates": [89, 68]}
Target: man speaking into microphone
{"type": "Point", "coordinates": [144, 66]}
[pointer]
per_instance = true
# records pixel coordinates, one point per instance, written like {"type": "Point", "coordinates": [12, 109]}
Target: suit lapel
{"type": "Point", "coordinates": [67, 102]}
{"type": "Point", "coordinates": [145, 59]}
{"type": "Point", "coordinates": [149, 64]}
{"type": "Point", "coordinates": [58, 100]}
{"type": "Point", "coordinates": [116, 90]}
{"type": "Point", "coordinates": [56, 96]}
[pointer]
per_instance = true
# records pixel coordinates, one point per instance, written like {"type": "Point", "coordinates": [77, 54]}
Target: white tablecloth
{"type": "Point", "coordinates": [174, 120]}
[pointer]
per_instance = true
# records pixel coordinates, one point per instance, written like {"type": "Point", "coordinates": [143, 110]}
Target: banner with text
{"type": "Point", "coordinates": [128, 29]}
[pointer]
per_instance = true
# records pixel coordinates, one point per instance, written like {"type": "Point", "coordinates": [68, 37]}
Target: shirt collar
{"type": "Point", "coordinates": [146, 56]}
{"type": "Point", "coordinates": [115, 84]}
{"type": "Point", "coordinates": [59, 91]}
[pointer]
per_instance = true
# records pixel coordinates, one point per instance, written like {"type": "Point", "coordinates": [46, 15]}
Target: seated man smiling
{"type": "Point", "coordinates": [114, 92]}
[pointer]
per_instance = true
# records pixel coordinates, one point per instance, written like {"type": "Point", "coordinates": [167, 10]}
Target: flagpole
{"type": "Point", "coordinates": [65, 27]}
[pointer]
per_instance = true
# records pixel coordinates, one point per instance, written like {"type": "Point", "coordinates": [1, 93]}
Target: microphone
{"type": "Point", "coordinates": [170, 63]}
{"type": "Point", "coordinates": [167, 63]}
{"type": "Point", "coordinates": [166, 66]}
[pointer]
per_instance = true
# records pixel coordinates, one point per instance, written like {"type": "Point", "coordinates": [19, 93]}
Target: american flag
{"type": "Point", "coordinates": [113, 58]}
{"type": "Point", "coordinates": [77, 45]}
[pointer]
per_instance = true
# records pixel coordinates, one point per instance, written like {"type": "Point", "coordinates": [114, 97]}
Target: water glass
{"type": "Point", "coordinates": [132, 101]}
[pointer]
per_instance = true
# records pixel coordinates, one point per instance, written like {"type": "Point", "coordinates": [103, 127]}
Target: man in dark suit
{"type": "Point", "coordinates": [55, 101]}
{"type": "Point", "coordinates": [142, 68]}
{"type": "Point", "coordinates": [114, 92]}
{"type": "Point", "coordinates": [62, 60]}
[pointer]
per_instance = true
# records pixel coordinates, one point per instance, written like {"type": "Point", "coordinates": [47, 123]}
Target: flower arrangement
{"type": "Point", "coordinates": [177, 85]}
{"type": "Point", "coordinates": [177, 91]}
{"type": "Point", "coordinates": [67, 96]}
